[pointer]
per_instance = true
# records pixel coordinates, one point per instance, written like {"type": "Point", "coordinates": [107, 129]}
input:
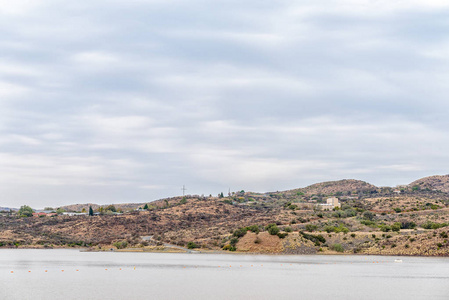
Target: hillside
{"type": "Point", "coordinates": [437, 182]}
{"type": "Point", "coordinates": [414, 221]}
{"type": "Point", "coordinates": [345, 186]}
{"type": "Point", "coordinates": [85, 206]}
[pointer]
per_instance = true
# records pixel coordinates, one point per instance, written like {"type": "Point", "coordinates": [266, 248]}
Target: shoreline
{"type": "Point", "coordinates": [82, 249]}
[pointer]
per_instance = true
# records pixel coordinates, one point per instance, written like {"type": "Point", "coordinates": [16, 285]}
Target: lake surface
{"type": "Point", "coordinates": [70, 274]}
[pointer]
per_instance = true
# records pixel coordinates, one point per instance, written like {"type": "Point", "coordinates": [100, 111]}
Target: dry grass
{"type": "Point", "coordinates": [260, 243]}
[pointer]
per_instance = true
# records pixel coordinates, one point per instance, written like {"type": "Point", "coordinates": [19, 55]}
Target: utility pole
{"type": "Point", "coordinates": [183, 190]}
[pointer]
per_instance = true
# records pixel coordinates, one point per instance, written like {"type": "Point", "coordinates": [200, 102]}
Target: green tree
{"type": "Point", "coordinates": [110, 208]}
{"type": "Point", "coordinates": [25, 211]}
{"type": "Point", "coordinates": [91, 211]}
{"type": "Point", "coordinates": [146, 206]}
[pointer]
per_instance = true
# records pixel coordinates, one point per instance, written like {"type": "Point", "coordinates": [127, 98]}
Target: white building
{"type": "Point", "coordinates": [331, 203]}
{"type": "Point", "coordinates": [71, 214]}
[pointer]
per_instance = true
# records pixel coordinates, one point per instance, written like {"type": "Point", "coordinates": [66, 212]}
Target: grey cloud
{"type": "Point", "coordinates": [127, 102]}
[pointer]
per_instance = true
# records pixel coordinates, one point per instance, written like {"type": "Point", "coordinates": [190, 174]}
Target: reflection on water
{"type": "Point", "coordinates": [70, 274]}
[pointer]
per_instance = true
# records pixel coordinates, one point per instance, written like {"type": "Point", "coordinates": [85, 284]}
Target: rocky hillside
{"type": "Point", "coordinates": [412, 221]}
{"type": "Point", "coordinates": [437, 182]}
{"type": "Point", "coordinates": [85, 206]}
{"type": "Point", "coordinates": [345, 186]}
{"type": "Point", "coordinates": [340, 187]}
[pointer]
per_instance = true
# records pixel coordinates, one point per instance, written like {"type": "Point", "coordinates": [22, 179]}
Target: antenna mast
{"type": "Point", "coordinates": [183, 190]}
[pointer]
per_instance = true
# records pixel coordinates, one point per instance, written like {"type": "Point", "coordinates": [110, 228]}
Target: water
{"type": "Point", "coordinates": [107, 275]}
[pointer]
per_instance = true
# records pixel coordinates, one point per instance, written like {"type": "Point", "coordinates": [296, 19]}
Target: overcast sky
{"type": "Point", "coordinates": [126, 101]}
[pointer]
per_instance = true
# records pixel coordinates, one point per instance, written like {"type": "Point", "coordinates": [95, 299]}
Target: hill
{"type": "Point", "coordinates": [410, 221]}
{"type": "Point", "coordinates": [345, 187]}
{"type": "Point", "coordinates": [436, 182]}
{"type": "Point", "coordinates": [85, 206]}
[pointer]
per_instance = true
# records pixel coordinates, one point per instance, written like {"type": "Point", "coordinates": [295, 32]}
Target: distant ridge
{"type": "Point", "coordinates": [436, 182]}
{"type": "Point", "coordinates": [79, 207]}
{"type": "Point", "coordinates": [343, 187]}
{"type": "Point", "coordinates": [7, 209]}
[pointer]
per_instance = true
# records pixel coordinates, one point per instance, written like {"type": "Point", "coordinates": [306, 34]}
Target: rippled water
{"type": "Point", "coordinates": [70, 274]}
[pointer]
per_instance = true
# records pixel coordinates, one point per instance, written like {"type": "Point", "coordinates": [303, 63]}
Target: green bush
{"type": "Point", "coordinates": [311, 227]}
{"type": "Point", "coordinates": [368, 222]}
{"type": "Point", "coordinates": [282, 235]}
{"type": "Point", "coordinates": [314, 238]}
{"type": "Point", "coordinates": [288, 229]}
{"type": "Point", "coordinates": [272, 229]}
{"type": "Point", "coordinates": [341, 228]}
{"type": "Point", "coordinates": [385, 228]}
{"type": "Point", "coordinates": [292, 206]}
{"type": "Point", "coordinates": [242, 231]}
{"type": "Point", "coordinates": [234, 241]}
{"type": "Point", "coordinates": [118, 245]}
{"type": "Point", "coordinates": [253, 228]}
{"type": "Point", "coordinates": [329, 229]}
{"type": "Point", "coordinates": [192, 245]}
{"type": "Point", "coordinates": [229, 247]}
{"type": "Point", "coordinates": [396, 227]}
{"type": "Point", "coordinates": [367, 215]}
{"type": "Point", "coordinates": [337, 247]}
{"type": "Point", "coordinates": [408, 225]}
{"type": "Point", "coordinates": [432, 225]}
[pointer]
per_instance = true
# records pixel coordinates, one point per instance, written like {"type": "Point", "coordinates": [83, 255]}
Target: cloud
{"type": "Point", "coordinates": [126, 102]}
